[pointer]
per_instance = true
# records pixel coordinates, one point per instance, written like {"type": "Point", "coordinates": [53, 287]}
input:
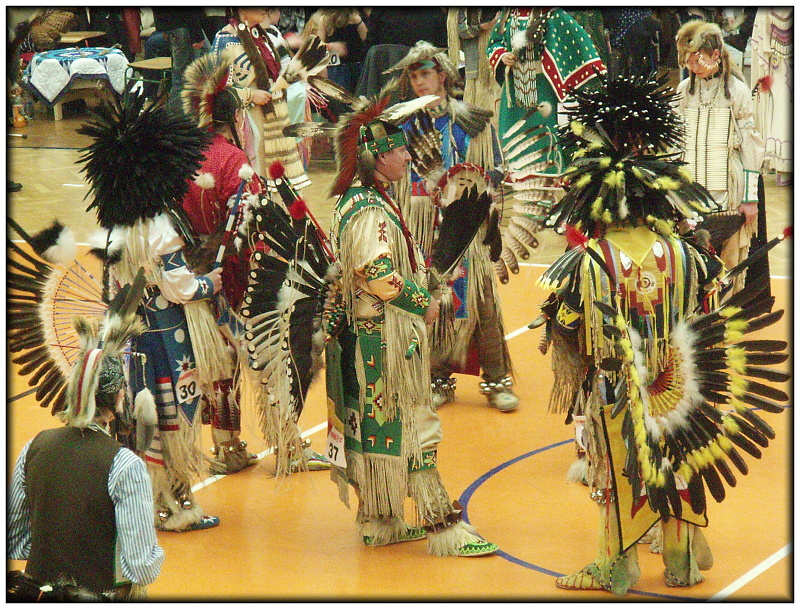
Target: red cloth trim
{"type": "Point", "coordinates": [152, 460]}
{"type": "Point", "coordinates": [418, 189]}
{"type": "Point", "coordinates": [638, 504]}
{"type": "Point", "coordinates": [495, 57]}
{"type": "Point", "coordinates": [163, 379]}
{"type": "Point", "coordinates": [579, 76]}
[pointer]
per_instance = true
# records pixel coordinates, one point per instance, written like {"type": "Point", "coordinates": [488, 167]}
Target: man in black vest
{"type": "Point", "coordinates": [80, 506]}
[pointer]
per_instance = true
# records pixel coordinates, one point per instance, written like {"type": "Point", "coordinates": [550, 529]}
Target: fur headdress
{"type": "Point", "coordinates": [98, 372]}
{"type": "Point", "coordinates": [697, 35]}
{"type": "Point", "coordinates": [425, 55]}
{"type": "Point", "coordinates": [621, 171]}
{"type": "Point", "coordinates": [203, 82]}
{"type": "Point", "coordinates": [367, 132]}
{"type": "Point", "coordinates": [141, 159]}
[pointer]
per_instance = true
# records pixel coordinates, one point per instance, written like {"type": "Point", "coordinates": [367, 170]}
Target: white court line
{"type": "Point", "coordinates": [211, 480]}
{"type": "Point", "coordinates": [312, 430]}
{"type": "Point", "coordinates": [516, 332]}
{"type": "Point", "coordinates": [75, 185]}
{"type": "Point", "coordinates": [751, 574]}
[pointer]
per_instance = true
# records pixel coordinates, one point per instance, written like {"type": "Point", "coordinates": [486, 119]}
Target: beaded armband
{"type": "Point", "coordinates": [412, 298]}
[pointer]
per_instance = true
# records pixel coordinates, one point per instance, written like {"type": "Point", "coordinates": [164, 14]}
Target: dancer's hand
{"type": "Point", "coordinates": [216, 278]}
{"type": "Point", "coordinates": [750, 211]}
{"type": "Point", "coordinates": [509, 59]}
{"type": "Point", "coordinates": [261, 97]}
{"type": "Point", "coordinates": [490, 24]}
{"type": "Point", "coordinates": [433, 311]}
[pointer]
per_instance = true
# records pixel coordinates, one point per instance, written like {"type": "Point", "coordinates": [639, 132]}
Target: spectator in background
{"type": "Point", "coordinates": [397, 25]}
{"type": "Point", "coordinates": [183, 30]}
{"type": "Point", "coordinates": [345, 33]}
{"type": "Point", "coordinates": [291, 24]}
{"type": "Point", "coordinates": [634, 34]}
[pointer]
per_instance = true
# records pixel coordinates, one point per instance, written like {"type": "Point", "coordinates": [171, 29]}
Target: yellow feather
{"type": "Point", "coordinates": [619, 165]}
{"type": "Point", "coordinates": [736, 359]}
{"type": "Point", "coordinates": [706, 458]}
{"type": "Point", "coordinates": [607, 218]}
{"type": "Point", "coordinates": [685, 175]}
{"type": "Point", "coordinates": [637, 172]}
{"type": "Point", "coordinates": [716, 451]}
{"type": "Point", "coordinates": [731, 426]}
{"type": "Point", "coordinates": [691, 459]}
{"type": "Point", "coordinates": [580, 153]}
{"type": "Point", "coordinates": [729, 311]}
{"type": "Point", "coordinates": [737, 325]}
{"type": "Point", "coordinates": [667, 183]}
{"type": "Point", "coordinates": [685, 471]}
{"type": "Point", "coordinates": [738, 405]}
{"type": "Point", "coordinates": [724, 443]}
{"type": "Point", "coordinates": [604, 162]}
{"type": "Point", "coordinates": [577, 128]}
{"type": "Point", "coordinates": [583, 181]}
{"type": "Point", "coordinates": [633, 374]}
{"type": "Point", "coordinates": [597, 207]}
{"type": "Point", "coordinates": [739, 385]}
{"type": "Point", "coordinates": [731, 336]}
{"type": "Point", "coordinates": [661, 479]}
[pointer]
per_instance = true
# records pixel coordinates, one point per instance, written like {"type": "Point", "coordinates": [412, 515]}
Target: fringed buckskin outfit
{"type": "Point", "coordinates": [214, 205]}
{"type": "Point", "coordinates": [183, 350]}
{"type": "Point", "coordinates": [255, 64]}
{"type": "Point", "coordinates": [658, 368]}
{"type": "Point", "coordinates": [377, 371]}
{"type": "Point", "coordinates": [475, 332]}
{"type": "Point", "coordinates": [723, 149]}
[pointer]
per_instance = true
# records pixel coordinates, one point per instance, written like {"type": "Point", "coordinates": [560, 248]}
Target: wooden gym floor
{"type": "Point", "coordinates": [293, 539]}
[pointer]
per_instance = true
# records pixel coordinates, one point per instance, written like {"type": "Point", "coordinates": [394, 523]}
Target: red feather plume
{"type": "Point", "coordinates": [276, 170]}
{"type": "Point", "coordinates": [298, 209]}
{"type": "Point", "coordinates": [787, 232]}
{"type": "Point", "coordinates": [575, 237]}
{"type": "Point", "coordinates": [347, 140]}
{"type": "Point", "coordinates": [765, 83]}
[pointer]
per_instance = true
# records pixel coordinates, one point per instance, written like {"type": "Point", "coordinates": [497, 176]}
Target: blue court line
{"type": "Point", "coordinates": [467, 495]}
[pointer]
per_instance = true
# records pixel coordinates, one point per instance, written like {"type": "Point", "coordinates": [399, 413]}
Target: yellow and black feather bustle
{"type": "Point", "coordinates": [683, 427]}
{"type": "Point", "coordinates": [621, 172]}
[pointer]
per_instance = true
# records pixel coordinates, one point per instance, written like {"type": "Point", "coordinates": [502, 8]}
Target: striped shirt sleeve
{"type": "Point", "coordinates": [19, 512]}
{"type": "Point", "coordinates": [129, 487]}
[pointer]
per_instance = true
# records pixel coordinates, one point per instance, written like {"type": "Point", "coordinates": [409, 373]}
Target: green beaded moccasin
{"type": "Point", "coordinates": [480, 548]}
{"type": "Point", "coordinates": [410, 534]}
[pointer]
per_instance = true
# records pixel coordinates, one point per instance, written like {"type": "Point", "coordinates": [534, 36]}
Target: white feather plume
{"type": "Point", "coordinates": [205, 181]}
{"type": "Point", "coordinates": [64, 250]}
{"type": "Point", "coordinates": [518, 40]}
{"type": "Point", "coordinates": [246, 172]}
{"type": "Point", "coordinates": [144, 408]}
